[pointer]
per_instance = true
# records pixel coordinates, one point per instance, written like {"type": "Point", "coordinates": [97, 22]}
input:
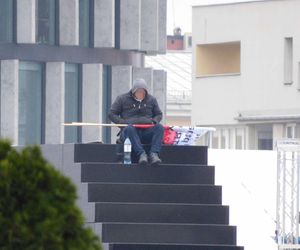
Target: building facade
{"type": "Point", "coordinates": [178, 65]}
{"type": "Point", "coordinates": [177, 62]}
{"type": "Point", "coordinates": [67, 60]}
{"type": "Point", "coordinates": [246, 68]}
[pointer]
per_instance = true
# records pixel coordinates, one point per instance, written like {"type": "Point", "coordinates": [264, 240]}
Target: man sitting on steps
{"type": "Point", "coordinates": [139, 107]}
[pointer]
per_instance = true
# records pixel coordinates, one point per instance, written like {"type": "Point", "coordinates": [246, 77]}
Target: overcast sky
{"type": "Point", "coordinates": [180, 12]}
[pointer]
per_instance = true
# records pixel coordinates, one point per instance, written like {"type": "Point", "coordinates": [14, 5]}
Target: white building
{"type": "Point", "coordinates": [246, 72]}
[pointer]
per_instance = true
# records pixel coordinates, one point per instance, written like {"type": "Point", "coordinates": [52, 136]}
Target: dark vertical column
{"type": "Point", "coordinates": [117, 23]}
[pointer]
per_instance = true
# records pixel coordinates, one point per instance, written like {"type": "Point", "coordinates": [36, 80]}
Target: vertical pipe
{"type": "Point", "coordinates": [292, 198]}
{"type": "Point", "coordinates": [278, 217]}
{"type": "Point", "coordinates": [283, 195]}
{"type": "Point", "coordinates": [297, 195]}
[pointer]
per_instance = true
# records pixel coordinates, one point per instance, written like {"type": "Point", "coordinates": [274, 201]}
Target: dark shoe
{"type": "Point", "coordinates": [143, 161]}
{"type": "Point", "coordinates": [154, 159]}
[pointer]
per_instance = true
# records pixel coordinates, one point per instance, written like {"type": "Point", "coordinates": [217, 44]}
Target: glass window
{"type": "Point", "coordinates": [297, 131]}
{"type": "Point", "coordinates": [215, 140]}
{"type": "Point", "coordinates": [30, 103]}
{"type": "Point", "coordinates": [265, 137]}
{"type": "Point", "coordinates": [46, 21]}
{"type": "Point", "coordinates": [72, 102]}
{"type": "Point", "coordinates": [84, 23]}
{"type": "Point", "coordinates": [239, 140]}
{"type": "Point", "coordinates": [223, 140]}
{"type": "Point", "coordinates": [220, 58]}
{"type": "Point", "coordinates": [291, 131]}
{"type": "Point", "coordinates": [190, 44]}
{"type": "Point", "coordinates": [288, 60]}
{"type": "Point", "coordinates": [6, 21]}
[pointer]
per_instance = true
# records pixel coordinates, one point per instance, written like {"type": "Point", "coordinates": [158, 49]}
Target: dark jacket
{"type": "Point", "coordinates": [127, 110]}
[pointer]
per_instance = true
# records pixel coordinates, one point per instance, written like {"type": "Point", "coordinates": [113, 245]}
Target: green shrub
{"type": "Point", "coordinates": [37, 205]}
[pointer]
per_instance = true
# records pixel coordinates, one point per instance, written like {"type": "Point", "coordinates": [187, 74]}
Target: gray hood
{"type": "Point", "coordinates": [139, 84]}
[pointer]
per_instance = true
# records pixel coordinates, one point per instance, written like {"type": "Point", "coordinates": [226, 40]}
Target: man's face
{"type": "Point", "coordinates": [140, 94]}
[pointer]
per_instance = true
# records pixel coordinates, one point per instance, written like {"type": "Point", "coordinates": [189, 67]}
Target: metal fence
{"type": "Point", "coordinates": [287, 212]}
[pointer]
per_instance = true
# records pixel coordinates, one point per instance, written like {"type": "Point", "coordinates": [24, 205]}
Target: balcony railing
{"type": "Point", "coordinates": [175, 96]}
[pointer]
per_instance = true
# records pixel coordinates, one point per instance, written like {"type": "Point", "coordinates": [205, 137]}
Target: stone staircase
{"type": "Point", "coordinates": [175, 206]}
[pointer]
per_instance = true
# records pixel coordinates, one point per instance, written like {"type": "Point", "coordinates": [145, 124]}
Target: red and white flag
{"type": "Point", "coordinates": [184, 135]}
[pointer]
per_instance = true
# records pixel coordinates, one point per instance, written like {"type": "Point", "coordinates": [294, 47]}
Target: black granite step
{"type": "Point", "coordinates": [168, 233]}
{"type": "Point", "coordinates": [96, 152]}
{"type": "Point", "coordinates": [155, 193]}
{"type": "Point", "coordinates": [176, 174]}
{"type": "Point", "coordinates": [171, 247]}
{"type": "Point", "coordinates": [162, 213]}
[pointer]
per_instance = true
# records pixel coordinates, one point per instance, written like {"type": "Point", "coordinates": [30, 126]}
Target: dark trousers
{"type": "Point", "coordinates": [139, 136]}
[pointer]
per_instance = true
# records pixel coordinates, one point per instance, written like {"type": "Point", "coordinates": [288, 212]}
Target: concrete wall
{"type": "Point", "coordinates": [55, 106]}
{"type": "Point", "coordinates": [153, 26]}
{"type": "Point", "coordinates": [143, 25]}
{"type": "Point", "coordinates": [162, 26]}
{"type": "Point", "coordinates": [54, 57]}
{"type": "Point", "coordinates": [160, 90]}
{"type": "Point", "coordinates": [26, 25]}
{"type": "Point", "coordinates": [149, 25]}
{"type": "Point", "coordinates": [121, 80]}
{"type": "Point", "coordinates": [217, 100]}
{"type": "Point", "coordinates": [122, 77]}
{"type": "Point", "coordinates": [130, 24]}
{"type": "Point", "coordinates": [92, 101]}
{"type": "Point", "coordinates": [104, 23]}
{"type": "Point", "coordinates": [68, 22]}
{"type": "Point", "coordinates": [9, 89]}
